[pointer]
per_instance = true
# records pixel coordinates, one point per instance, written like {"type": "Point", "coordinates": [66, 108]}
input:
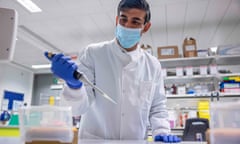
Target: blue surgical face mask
{"type": "Point", "coordinates": [128, 37]}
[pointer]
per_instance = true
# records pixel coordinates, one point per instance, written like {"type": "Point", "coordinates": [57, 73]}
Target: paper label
{"type": "Point", "coordinates": [190, 47]}
{"type": "Point", "coordinates": [168, 51]}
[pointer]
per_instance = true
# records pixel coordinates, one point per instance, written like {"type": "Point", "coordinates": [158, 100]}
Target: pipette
{"type": "Point", "coordinates": [78, 75]}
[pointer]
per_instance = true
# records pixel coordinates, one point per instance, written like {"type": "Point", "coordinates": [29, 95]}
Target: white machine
{"type": "Point", "coordinates": [8, 33]}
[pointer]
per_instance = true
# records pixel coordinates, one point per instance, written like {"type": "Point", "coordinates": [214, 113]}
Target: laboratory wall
{"type": "Point", "coordinates": [42, 89]}
{"type": "Point", "coordinates": [16, 79]}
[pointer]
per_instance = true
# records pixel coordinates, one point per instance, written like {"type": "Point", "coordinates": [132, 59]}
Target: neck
{"type": "Point", "coordinates": [128, 49]}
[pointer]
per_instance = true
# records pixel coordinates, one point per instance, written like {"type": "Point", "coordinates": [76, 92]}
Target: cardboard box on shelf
{"type": "Point", "coordinates": [168, 52]}
{"type": "Point", "coordinates": [189, 47]}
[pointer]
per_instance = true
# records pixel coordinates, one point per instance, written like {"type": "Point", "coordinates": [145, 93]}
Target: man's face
{"type": "Point", "coordinates": [132, 18]}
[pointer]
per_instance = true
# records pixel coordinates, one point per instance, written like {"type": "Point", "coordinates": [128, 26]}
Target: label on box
{"type": "Point", "coordinates": [189, 71]}
{"type": "Point", "coordinates": [179, 71]}
{"type": "Point", "coordinates": [213, 69]}
{"type": "Point", "coordinates": [168, 51]}
{"type": "Point", "coordinates": [181, 90]}
{"type": "Point", "coordinates": [203, 70]}
{"type": "Point", "coordinates": [190, 47]}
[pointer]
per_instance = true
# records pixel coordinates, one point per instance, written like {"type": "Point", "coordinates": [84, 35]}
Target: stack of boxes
{"type": "Point", "coordinates": [189, 48]}
{"type": "Point", "coordinates": [230, 84]}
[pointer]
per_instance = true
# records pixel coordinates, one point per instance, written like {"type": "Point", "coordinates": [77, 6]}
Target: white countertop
{"type": "Point", "coordinates": [16, 140]}
{"type": "Point", "coordinates": [129, 142]}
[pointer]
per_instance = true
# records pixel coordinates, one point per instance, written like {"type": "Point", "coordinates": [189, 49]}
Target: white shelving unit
{"type": "Point", "coordinates": [189, 101]}
{"type": "Point", "coordinates": [219, 61]}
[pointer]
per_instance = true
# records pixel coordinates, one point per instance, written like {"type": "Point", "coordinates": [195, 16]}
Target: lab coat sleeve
{"type": "Point", "coordinates": [81, 99]}
{"type": "Point", "coordinates": [76, 98]}
{"type": "Point", "coordinates": [158, 112]}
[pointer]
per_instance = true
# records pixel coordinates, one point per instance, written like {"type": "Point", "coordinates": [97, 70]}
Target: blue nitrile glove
{"type": "Point", "coordinates": [63, 67]}
{"type": "Point", "coordinates": [167, 138]}
{"type": "Point", "coordinates": [5, 116]}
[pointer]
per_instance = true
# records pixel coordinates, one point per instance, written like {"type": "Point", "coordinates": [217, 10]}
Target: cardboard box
{"type": "Point", "coordinates": [189, 47]}
{"type": "Point", "coordinates": [168, 52]}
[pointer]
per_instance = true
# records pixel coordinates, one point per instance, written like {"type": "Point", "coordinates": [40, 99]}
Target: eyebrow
{"type": "Point", "coordinates": [134, 18]}
{"type": "Point", "coordinates": [123, 16]}
{"type": "Point", "coordinates": [137, 19]}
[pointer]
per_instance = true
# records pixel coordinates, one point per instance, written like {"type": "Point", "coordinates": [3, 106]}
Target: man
{"type": "Point", "coordinates": [126, 73]}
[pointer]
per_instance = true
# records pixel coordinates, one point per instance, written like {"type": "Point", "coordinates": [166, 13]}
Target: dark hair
{"type": "Point", "coordinates": [139, 4]}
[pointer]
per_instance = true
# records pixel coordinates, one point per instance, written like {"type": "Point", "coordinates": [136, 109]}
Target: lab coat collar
{"type": "Point", "coordinates": [133, 55]}
{"type": "Point", "coordinates": [120, 53]}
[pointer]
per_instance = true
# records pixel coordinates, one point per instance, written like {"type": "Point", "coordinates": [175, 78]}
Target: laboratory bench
{"type": "Point", "coordinates": [16, 140]}
{"type": "Point", "coordinates": [11, 135]}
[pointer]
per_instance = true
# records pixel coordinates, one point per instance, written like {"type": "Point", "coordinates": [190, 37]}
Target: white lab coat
{"type": "Point", "coordinates": [133, 80]}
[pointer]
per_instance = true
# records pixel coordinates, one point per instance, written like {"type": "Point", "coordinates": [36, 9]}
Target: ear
{"type": "Point", "coordinates": [146, 27]}
{"type": "Point", "coordinates": [116, 20]}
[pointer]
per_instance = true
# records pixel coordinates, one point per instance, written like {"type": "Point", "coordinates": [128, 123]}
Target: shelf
{"type": "Point", "coordinates": [190, 61]}
{"type": "Point", "coordinates": [186, 79]}
{"type": "Point", "coordinates": [199, 78]}
{"type": "Point", "coordinates": [190, 96]}
{"type": "Point", "coordinates": [228, 60]}
{"type": "Point", "coordinates": [190, 77]}
{"type": "Point", "coordinates": [228, 74]}
{"type": "Point", "coordinates": [229, 94]}
{"type": "Point", "coordinates": [195, 96]}
{"type": "Point", "coordinates": [198, 61]}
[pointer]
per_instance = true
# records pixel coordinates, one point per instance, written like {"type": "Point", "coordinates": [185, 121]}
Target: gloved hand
{"type": "Point", "coordinates": [5, 116]}
{"type": "Point", "coordinates": [63, 67]}
{"type": "Point", "coordinates": [167, 138]}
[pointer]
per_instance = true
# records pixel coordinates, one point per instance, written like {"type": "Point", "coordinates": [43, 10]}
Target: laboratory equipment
{"type": "Point", "coordinates": [224, 123]}
{"type": "Point", "coordinates": [46, 123]}
{"type": "Point", "coordinates": [8, 32]}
